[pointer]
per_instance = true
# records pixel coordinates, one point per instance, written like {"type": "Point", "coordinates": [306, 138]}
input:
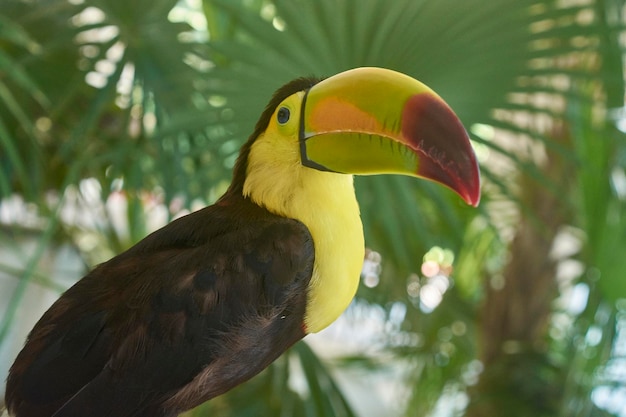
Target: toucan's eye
{"type": "Point", "coordinates": [283, 115]}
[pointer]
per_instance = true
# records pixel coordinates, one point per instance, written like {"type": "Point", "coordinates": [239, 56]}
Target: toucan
{"type": "Point", "coordinates": [211, 299]}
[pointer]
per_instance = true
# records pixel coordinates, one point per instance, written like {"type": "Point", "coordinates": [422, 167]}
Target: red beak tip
{"type": "Point", "coordinates": [471, 194]}
{"type": "Point", "coordinates": [473, 200]}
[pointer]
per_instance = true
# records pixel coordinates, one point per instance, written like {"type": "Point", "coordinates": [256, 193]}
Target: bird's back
{"type": "Point", "coordinates": [191, 311]}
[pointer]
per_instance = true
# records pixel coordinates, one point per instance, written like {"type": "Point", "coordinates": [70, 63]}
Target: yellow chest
{"type": "Point", "coordinates": [335, 224]}
{"type": "Point", "coordinates": [326, 204]}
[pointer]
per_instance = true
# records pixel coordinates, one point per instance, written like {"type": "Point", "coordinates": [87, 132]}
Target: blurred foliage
{"type": "Point", "coordinates": [149, 101]}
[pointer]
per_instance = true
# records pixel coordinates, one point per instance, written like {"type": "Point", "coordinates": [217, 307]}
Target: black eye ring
{"type": "Point", "coordinates": [283, 115]}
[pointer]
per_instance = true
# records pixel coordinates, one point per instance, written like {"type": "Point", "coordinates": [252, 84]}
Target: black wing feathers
{"type": "Point", "coordinates": [172, 322]}
{"type": "Point", "coordinates": [72, 358]}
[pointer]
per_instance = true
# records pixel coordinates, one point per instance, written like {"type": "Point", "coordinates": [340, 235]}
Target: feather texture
{"type": "Point", "coordinates": [191, 311]}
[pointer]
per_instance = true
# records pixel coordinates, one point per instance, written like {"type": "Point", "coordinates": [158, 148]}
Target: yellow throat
{"type": "Point", "coordinates": [324, 202]}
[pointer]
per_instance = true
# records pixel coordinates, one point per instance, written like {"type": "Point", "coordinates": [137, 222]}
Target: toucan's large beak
{"type": "Point", "coordinates": [375, 121]}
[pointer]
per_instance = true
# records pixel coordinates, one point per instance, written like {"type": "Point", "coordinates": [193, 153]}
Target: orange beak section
{"type": "Point", "coordinates": [370, 121]}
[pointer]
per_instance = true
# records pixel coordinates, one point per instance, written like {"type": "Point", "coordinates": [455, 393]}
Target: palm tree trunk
{"type": "Point", "coordinates": [518, 379]}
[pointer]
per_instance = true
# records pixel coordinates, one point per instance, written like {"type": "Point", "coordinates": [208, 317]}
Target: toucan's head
{"type": "Point", "coordinates": [314, 134]}
{"type": "Point", "coordinates": [364, 121]}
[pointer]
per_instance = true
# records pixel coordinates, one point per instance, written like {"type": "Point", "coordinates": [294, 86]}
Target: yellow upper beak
{"type": "Point", "coordinates": [375, 121]}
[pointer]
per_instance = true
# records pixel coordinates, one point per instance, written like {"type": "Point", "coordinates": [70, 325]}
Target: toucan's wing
{"type": "Point", "coordinates": [193, 310]}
